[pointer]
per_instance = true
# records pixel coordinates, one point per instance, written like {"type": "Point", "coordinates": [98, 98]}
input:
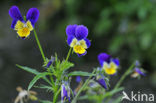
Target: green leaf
{"type": "Point", "coordinates": [45, 101]}
{"type": "Point", "coordinates": [33, 71]}
{"type": "Point", "coordinates": [80, 73]}
{"type": "Point", "coordinates": [66, 65]}
{"type": "Point", "coordinates": [37, 77]}
{"type": "Point", "coordinates": [28, 69]}
{"type": "Point", "coordinates": [48, 88]}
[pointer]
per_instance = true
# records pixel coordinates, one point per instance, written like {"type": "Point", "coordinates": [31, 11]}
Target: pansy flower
{"type": "Point", "coordinates": [138, 71]}
{"type": "Point", "coordinates": [108, 64]}
{"type": "Point", "coordinates": [77, 38]}
{"type": "Point", "coordinates": [23, 27]}
{"type": "Point", "coordinates": [65, 92]}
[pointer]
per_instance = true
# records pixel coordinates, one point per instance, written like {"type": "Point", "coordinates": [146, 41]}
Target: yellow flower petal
{"type": "Point", "coordinates": [19, 25]}
{"type": "Point", "coordinates": [79, 49]}
{"type": "Point", "coordinates": [110, 71]}
{"type": "Point", "coordinates": [83, 44]}
{"type": "Point", "coordinates": [24, 32]}
{"type": "Point", "coordinates": [29, 25]}
{"type": "Point", "coordinates": [74, 42]}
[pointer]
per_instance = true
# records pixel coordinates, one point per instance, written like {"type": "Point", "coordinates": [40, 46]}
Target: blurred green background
{"type": "Point", "coordinates": [123, 28]}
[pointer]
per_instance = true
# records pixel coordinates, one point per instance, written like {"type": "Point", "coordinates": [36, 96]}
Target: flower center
{"type": "Point", "coordinates": [24, 32]}
{"type": "Point", "coordinates": [79, 49]}
{"type": "Point", "coordinates": [110, 71]}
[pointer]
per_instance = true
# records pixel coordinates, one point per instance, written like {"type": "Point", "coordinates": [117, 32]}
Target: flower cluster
{"type": "Point", "coordinates": [23, 27]}
{"type": "Point", "coordinates": [56, 74]}
{"type": "Point", "coordinates": [77, 38]}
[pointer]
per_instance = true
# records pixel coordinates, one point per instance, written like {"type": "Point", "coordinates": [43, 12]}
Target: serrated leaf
{"type": "Point", "coordinates": [66, 65]}
{"type": "Point", "coordinates": [28, 69]}
{"type": "Point", "coordinates": [37, 77]}
{"type": "Point", "coordinates": [80, 73]}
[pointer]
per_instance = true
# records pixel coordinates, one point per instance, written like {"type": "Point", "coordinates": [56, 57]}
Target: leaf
{"type": "Point", "coordinates": [45, 101]}
{"type": "Point", "coordinates": [48, 88]}
{"type": "Point", "coordinates": [37, 77]}
{"type": "Point", "coordinates": [28, 69]}
{"type": "Point", "coordinates": [80, 73]}
{"type": "Point", "coordinates": [33, 71]}
{"type": "Point", "coordinates": [66, 65]}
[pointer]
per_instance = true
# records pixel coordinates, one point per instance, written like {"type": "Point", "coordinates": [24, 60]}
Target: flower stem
{"type": "Point", "coordinates": [39, 45]}
{"type": "Point", "coordinates": [84, 85]}
{"type": "Point", "coordinates": [121, 80]}
{"type": "Point", "coordinates": [68, 55]}
{"type": "Point", "coordinates": [124, 76]}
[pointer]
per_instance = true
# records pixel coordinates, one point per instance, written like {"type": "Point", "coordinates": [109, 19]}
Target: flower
{"type": "Point", "coordinates": [65, 92]}
{"type": "Point", "coordinates": [50, 62]}
{"type": "Point", "coordinates": [108, 64]}
{"type": "Point", "coordinates": [23, 27]}
{"type": "Point", "coordinates": [101, 80]}
{"type": "Point", "coordinates": [78, 79]}
{"type": "Point", "coordinates": [138, 71]}
{"type": "Point", "coordinates": [77, 38]}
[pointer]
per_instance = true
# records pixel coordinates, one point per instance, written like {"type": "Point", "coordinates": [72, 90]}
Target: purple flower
{"type": "Point", "coordinates": [137, 70]}
{"type": "Point", "coordinates": [23, 27]}
{"type": "Point", "coordinates": [102, 82]}
{"type": "Point", "coordinates": [108, 64]}
{"type": "Point", "coordinates": [50, 62]}
{"type": "Point", "coordinates": [77, 38]}
{"type": "Point", "coordinates": [65, 92]}
{"type": "Point", "coordinates": [78, 79]}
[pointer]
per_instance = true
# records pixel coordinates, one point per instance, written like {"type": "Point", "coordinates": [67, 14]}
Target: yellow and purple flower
{"type": "Point", "coordinates": [23, 27]}
{"type": "Point", "coordinates": [138, 71]}
{"type": "Point", "coordinates": [65, 92]}
{"type": "Point", "coordinates": [108, 64]}
{"type": "Point", "coordinates": [77, 38]}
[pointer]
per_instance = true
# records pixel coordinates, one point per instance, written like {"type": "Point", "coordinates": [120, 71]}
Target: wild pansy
{"type": "Point", "coordinates": [23, 27]}
{"type": "Point", "coordinates": [65, 92]}
{"type": "Point", "coordinates": [77, 38]}
{"type": "Point", "coordinates": [108, 64]}
{"type": "Point", "coordinates": [138, 71]}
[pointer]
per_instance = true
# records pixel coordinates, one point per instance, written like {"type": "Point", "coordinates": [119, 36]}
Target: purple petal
{"type": "Point", "coordinates": [81, 32]}
{"type": "Point", "coordinates": [102, 82]}
{"type": "Point", "coordinates": [78, 79]}
{"type": "Point", "coordinates": [79, 55]}
{"type": "Point", "coordinates": [13, 24]}
{"type": "Point", "coordinates": [88, 42]}
{"type": "Point", "coordinates": [70, 30]}
{"type": "Point", "coordinates": [33, 15]}
{"type": "Point", "coordinates": [15, 14]}
{"type": "Point", "coordinates": [139, 71]}
{"type": "Point", "coordinates": [70, 39]}
{"type": "Point", "coordinates": [103, 57]}
{"type": "Point", "coordinates": [64, 92]}
{"type": "Point", "coordinates": [116, 61]}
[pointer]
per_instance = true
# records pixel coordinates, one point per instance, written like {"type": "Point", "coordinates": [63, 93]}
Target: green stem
{"type": "Point", "coordinates": [39, 45]}
{"type": "Point", "coordinates": [121, 80]}
{"type": "Point", "coordinates": [68, 55]}
{"type": "Point", "coordinates": [56, 95]}
{"type": "Point", "coordinates": [124, 76]}
{"type": "Point", "coordinates": [84, 85]}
